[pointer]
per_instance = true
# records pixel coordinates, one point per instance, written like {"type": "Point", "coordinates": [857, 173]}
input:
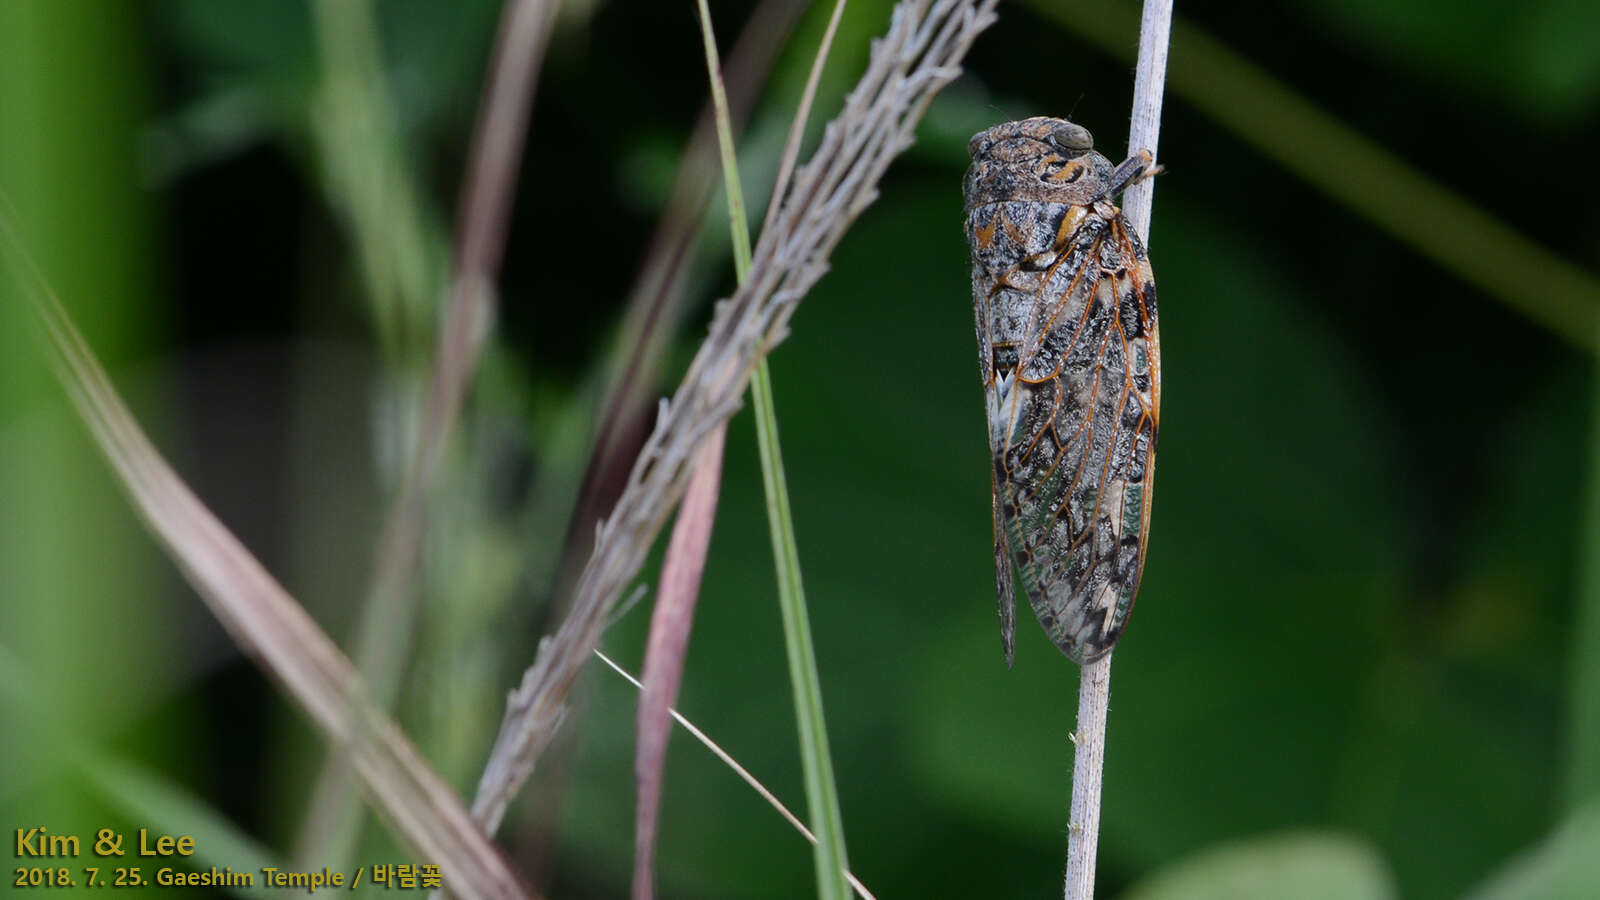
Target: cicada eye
{"type": "Point", "coordinates": [1074, 139]}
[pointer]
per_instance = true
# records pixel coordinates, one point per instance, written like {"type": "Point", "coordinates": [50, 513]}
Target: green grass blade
{"type": "Point", "coordinates": [738, 227]}
{"type": "Point", "coordinates": [822, 795]}
{"type": "Point", "coordinates": [370, 183]}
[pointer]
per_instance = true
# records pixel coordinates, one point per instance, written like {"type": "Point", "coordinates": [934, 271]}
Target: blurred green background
{"type": "Point", "coordinates": [1366, 656]}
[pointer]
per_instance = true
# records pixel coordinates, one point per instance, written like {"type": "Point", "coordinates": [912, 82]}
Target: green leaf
{"type": "Point", "coordinates": [1564, 866]}
{"type": "Point", "coordinates": [1303, 865]}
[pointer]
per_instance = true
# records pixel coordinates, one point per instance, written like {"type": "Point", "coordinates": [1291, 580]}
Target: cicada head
{"type": "Point", "coordinates": [1041, 159]}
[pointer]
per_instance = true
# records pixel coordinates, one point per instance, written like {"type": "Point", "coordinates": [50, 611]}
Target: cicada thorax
{"type": "Point", "coordinates": [1069, 355]}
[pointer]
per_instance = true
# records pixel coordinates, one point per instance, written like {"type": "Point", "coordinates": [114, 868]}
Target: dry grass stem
{"type": "Point", "coordinates": [1144, 132]}
{"type": "Point", "coordinates": [918, 56]}
{"type": "Point", "coordinates": [1094, 688]}
{"type": "Point", "coordinates": [1088, 763]}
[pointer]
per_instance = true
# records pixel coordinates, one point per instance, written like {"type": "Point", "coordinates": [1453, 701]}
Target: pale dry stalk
{"type": "Point", "coordinates": [1094, 688]}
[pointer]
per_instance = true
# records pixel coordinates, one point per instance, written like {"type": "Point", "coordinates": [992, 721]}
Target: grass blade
{"type": "Point", "coordinates": [822, 793]}
{"type": "Point", "coordinates": [261, 616]}
{"type": "Point", "coordinates": [387, 620]}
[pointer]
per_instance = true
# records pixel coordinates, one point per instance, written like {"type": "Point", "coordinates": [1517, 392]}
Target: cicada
{"type": "Point", "coordinates": [1071, 365]}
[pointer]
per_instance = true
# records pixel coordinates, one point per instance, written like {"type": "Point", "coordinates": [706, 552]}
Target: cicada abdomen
{"type": "Point", "coordinates": [1070, 360]}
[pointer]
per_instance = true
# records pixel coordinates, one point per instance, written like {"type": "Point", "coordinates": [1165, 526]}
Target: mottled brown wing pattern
{"type": "Point", "coordinates": [1069, 353]}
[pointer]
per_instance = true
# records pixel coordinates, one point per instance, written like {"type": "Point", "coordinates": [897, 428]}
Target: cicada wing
{"type": "Point", "coordinates": [1062, 319]}
{"type": "Point", "coordinates": [1074, 480]}
{"type": "Point", "coordinates": [1004, 589]}
{"type": "Point", "coordinates": [997, 401]}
